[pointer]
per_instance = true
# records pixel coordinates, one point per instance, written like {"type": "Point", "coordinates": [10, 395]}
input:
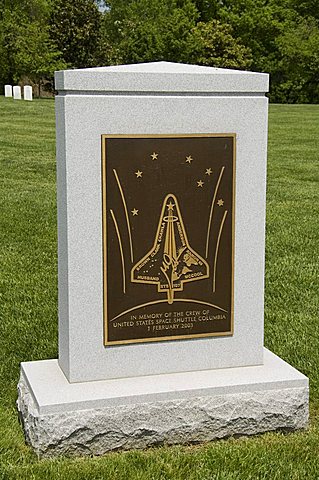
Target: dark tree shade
{"type": "Point", "coordinates": [207, 9]}
{"type": "Point", "coordinates": [75, 29]}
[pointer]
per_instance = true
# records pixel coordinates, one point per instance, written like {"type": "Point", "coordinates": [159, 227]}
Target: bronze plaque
{"type": "Point", "coordinates": [168, 236]}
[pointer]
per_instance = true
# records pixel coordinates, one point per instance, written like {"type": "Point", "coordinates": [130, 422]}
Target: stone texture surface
{"type": "Point", "coordinates": [191, 420]}
{"type": "Point", "coordinates": [81, 120]}
{"type": "Point", "coordinates": [161, 77]}
{"type": "Point", "coordinates": [53, 393]}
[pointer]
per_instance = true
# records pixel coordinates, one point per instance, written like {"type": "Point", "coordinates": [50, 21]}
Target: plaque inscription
{"type": "Point", "coordinates": [168, 236]}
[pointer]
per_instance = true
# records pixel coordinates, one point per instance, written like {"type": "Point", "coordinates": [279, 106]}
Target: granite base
{"type": "Point", "coordinates": [92, 418]}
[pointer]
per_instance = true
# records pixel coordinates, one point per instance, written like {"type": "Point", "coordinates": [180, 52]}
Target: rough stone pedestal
{"type": "Point", "coordinates": [97, 417]}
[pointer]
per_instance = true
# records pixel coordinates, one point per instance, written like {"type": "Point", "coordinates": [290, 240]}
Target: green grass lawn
{"type": "Point", "coordinates": [28, 301]}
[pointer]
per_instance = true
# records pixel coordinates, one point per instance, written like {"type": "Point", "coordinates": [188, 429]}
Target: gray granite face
{"type": "Point", "coordinates": [54, 394]}
{"type": "Point", "coordinates": [163, 78]}
{"type": "Point", "coordinates": [82, 117]}
{"type": "Point", "coordinates": [59, 417]}
{"type": "Point", "coordinates": [182, 421]}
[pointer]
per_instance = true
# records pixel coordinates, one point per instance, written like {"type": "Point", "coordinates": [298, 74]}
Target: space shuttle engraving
{"type": "Point", "coordinates": [171, 262]}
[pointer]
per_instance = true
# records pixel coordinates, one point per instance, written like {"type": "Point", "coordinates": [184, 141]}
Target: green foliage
{"type": "Point", "coordinates": [28, 9]}
{"type": "Point", "coordinates": [257, 24]}
{"type": "Point", "coordinates": [36, 55]}
{"type": "Point", "coordinates": [282, 42]}
{"type": "Point", "coordinates": [306, 8]}
{"type": "Point", "coordinates": [8, 38]}
{"type": "Point", "coordinates": [207, 9]}
{"type": "Point", "coordinates": [153, 30]}
{"type": "Point", "coordinates": [214, 45]}
{"type": "Point", "coordinates": [75, 30]}
{"type": "Point", "coordinates": [150, 30]}
{"type": "Point", "coordinates": [25, 45]}
{"type": "Point", "coordinates": [298, 65]}
{"type": "Point", "coordinates": [275, 36]}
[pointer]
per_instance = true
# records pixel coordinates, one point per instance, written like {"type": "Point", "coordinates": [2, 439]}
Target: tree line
{"type": "Point", "coordinates": [280, 37]}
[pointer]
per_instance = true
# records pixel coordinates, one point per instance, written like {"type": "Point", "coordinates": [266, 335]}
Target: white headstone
{"type": "Point", "coordinates": [27, 92]}
{"type": "Point", "coordinates": [8, 90]}
{"type": "Point", "coordinates": [143, 344]}
{"type": "Point", "coordinates": [17, 92]}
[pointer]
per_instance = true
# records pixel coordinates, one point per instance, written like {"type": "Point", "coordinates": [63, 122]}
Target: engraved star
{"type": "Point", "coordinates": [170, 206]}
{"type": "Point", "coordinates": [135, 212]}
{"type": "Point", "coordinates": [209, 171]}
{"type": "Point", "coordinates": [189, 159]}
{"type": "Point", "coordinates": [154, 156]}
{"type": "Point", "coordinates": [138, 174]}
{"type": "Point", "coordinates": [200, 183]}
{"type": "Point", "coordinates": [220, 202]}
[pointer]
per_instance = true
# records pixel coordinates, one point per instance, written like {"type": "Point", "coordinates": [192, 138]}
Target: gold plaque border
{"type": "Point", "coordinates": [104, 137]}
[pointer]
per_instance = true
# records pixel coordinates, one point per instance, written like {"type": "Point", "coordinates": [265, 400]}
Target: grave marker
{"type": "Point", "coordinates": [161, 173]}
{"type": "Point", "coordinates": [8, 90]}
{"type": "Point", "coordinates": [16, 92]}
{"type": "Point", "coordinates": [27, 92]}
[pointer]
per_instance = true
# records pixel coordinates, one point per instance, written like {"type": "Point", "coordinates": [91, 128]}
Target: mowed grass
{"type": "Point", "coordinates": [28, 303]}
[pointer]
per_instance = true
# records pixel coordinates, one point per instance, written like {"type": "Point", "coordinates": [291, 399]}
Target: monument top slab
{"type": "Point", "coordinates": [165, 77]}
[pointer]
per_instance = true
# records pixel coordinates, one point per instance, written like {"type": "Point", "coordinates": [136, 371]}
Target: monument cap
{"type": "Point", "coordinates": [164, 77]}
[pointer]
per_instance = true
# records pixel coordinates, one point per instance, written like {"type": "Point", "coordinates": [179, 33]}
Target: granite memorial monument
{"type": "Point", "coordinates": [161, 174]}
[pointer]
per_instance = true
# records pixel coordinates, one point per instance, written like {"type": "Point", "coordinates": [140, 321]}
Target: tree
{"type": "Point", "coordinates": [281, 40]}
{"type": "Point", "coordinates": [305, 8]}
{"type": "Point", "coordinates": [36, 56]}
{"type": "Point", "coordinates": [257, 24]}
{"type": "Point", "coordinates": [153, 30]}
{"type": "Point", "coordinates": [298, 64]}
{"type": "Point", "coordinates": [207, 9]}
{"type": "Point", "coordinates": [214, 45]}
{"type": "Point", "coordinates": [74, 28]}
{"type": "Point", "coordinates": [8, 36]}
{"type": "Point", "coordinates": [15, 18]}
{"type": "Point", "coordinates": [150, 30]}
